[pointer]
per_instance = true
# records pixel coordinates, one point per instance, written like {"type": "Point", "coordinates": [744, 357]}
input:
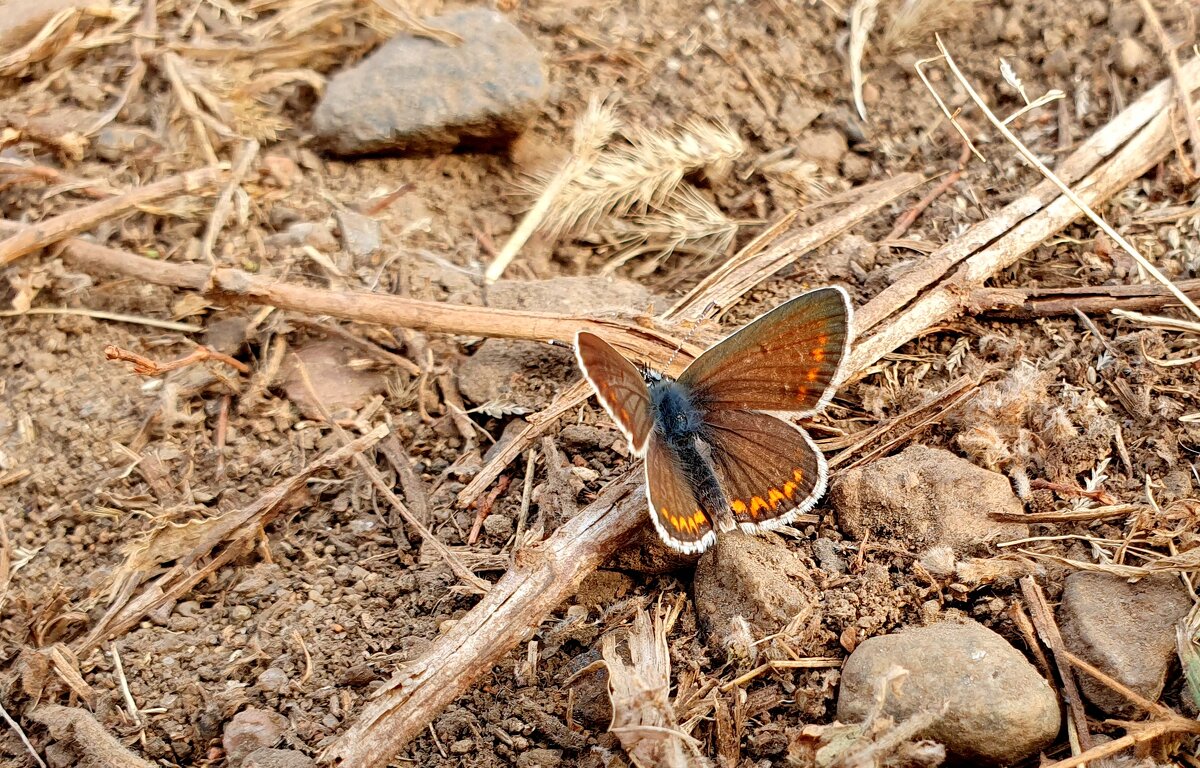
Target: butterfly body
{"type": "Point", "coordinates": [716, 454]}
{"type": "Point", "coordinates": [679, 425]}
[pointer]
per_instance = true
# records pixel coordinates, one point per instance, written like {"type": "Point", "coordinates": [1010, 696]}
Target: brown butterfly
{"type": "Point", "coordinates": [716, 457]}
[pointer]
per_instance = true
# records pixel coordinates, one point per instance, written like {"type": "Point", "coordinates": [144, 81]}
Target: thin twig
{"type": "Point", "coordinates": [21, 735]}
{"type": "Point", "coordinates": [368, 467]}
{"type": "Point", "coordinates": [1185, 95]}
{"type": "Point", "coordinates": [48, 232]}
{"type": "Point", "coordinates": [224, 204]}
{"type": "Point", "coordinates": [119, 670]}
{"type": "Point", "coordinates": [116, 317]}
{"type": "Point", "coordinates": [1033, 160]}
{"type": "Point", "coordinates": [144, 366]}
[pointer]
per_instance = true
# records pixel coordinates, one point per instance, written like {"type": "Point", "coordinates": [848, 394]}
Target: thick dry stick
{"type": "Point", "coordinates": [1103, 144]}
{"type": "Point", "coordinates": [1141, 153]}
{"type": "Point", "coordinates": [542, 577]}
{"type": "Point", "coordinates": [637, 338]}
{"type": "Point", "coordinates": [36, 236]}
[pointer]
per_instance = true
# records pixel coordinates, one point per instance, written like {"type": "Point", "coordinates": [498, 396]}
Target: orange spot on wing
{"type": "Point", "coordinates": [775, 497]}
{"type": "Point", "coordinates": [798, 475]}
{"type": "Point", "coordinates": [757, 503]}
{"type": "Point", "coordinates": [789, 489]}
{"type": "Point", "coordinates": [818, 354]}
{"type": "Point", "coordinates": [739, 506]}
{"type": "Point", "coordinates": [812, 374]}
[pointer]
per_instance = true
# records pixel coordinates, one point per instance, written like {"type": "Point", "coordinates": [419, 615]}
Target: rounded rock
{"type": "Point", "coordinates": [420, 94]}
{"type": "Point", "coordinates": [1125, 630]}
{"type": "Point", "coordinates": [991, 706]}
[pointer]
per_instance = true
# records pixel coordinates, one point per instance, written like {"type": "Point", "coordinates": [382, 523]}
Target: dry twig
{"type": "Point", "coordinates": [44, 233]}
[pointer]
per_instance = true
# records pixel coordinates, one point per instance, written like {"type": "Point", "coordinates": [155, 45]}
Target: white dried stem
{"type": "Point", "coordinates": [643, 718]}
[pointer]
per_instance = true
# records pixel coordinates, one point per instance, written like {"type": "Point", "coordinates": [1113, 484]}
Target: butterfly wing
{"type": "Point", "coordinates": [770, 469]}
{"type": "Point", "coordinates": [619, 387]}
{"type": "Point", "coordinates": [677, 514]}
{"type": "Point", "coordinates": [786, 360]}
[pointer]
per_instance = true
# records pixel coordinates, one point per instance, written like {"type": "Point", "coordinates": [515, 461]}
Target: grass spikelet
{"type": "Point", "coordinates": [640, 175]}
{"type": "Point", "coordinates": [689, 222]}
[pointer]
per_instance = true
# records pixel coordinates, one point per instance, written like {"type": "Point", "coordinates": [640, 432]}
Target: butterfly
{"type": "Point", "coordinates": [716, 456]}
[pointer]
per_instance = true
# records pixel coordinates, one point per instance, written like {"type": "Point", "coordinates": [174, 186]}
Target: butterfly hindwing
{"type": "Point", "coordinates": [677, 514]}
{"type": "Point", "coordinates": [619, 387]}
{"type": "Point", "coordinates": [770, 469]}
{"type": "Point", "coordinates": [786, 360]}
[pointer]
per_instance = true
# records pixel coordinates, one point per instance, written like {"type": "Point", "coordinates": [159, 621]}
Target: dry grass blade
{"type": "Point", "coordinates": [1191, 120]}
{"type": "Point", "coordinates": [643, 718]}
{"type": "Point", "coordinates": [1033, 160]}
{"type": "Point", "coordinates": [1158, 321]}
{"type": "Point", "coordinates": [862, 20]}
{"type": "Point", "coordinates": [233, 531]}
{"type": "Point", "coordinates": [761, 258]}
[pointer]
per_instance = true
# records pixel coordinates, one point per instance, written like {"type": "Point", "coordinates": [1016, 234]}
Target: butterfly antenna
{"type": "Point", "coordinates": [685, 340]}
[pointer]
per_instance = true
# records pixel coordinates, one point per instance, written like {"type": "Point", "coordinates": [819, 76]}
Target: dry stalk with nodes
{"type": "Point", "coordinates": [632, 180]}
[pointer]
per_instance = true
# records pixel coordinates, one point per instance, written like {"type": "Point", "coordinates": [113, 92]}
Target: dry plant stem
{"type": "Point", "coordinates": [1004, 246]}
{"type": "Point", "coordinates": [532, 220]}
{"type": "Point", "coordinates": [1185, 93]}
{"type": "Point", "coordinates": [568, 400]}
{"type": "Point", "coordinates": [1134, 121]}
{"type": "Point", "coordinates": [1029, 156]}
{"type": "Point", "coordinates": [144, 366]}
{"type": "Point", "coordinates": [1029, 303]}
{"type": "Point", "coordinates": [115, 317]}
{"type": "Point", "coordinates": [729, 282]}
{"type": "Point", "coordinates": [368, 468]}
{"type": "Point", "coordinates": [542, 576]}
{"type": "Point", "coordinates": [44, 233]}
{"type": "Point", "coordinates": [1148, 733]}
{"type": "Point", "coordinates": [1047, 629]}
{"type": "Point", "coordinates": [224, 205]}
{"type": "Point", "coordinates": [638, 339]}
{"type": "Point", "coordinates": [239, 525]}
{"type": "Point", "coordinates": [907, 220]}
{"type": "Point", "coordinates": [16, 728]}
{"type": "Point", "coordinates": [1146, 705]}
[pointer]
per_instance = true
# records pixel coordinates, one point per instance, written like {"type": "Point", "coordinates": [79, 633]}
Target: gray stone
{"type": "Point", "coordinates": [926, 497]}
{"type": "Point", "coordinates": [1125, 630]}
{"type": "Point", "coordinates": [362, 236]}
{"type": "Point", "coordinates": [416, 93]}
{"type": "Point", "coordinates": [997, 708]}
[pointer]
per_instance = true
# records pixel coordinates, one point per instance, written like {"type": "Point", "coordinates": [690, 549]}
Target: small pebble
{"type": "Point", "coordinates": [1130, 57]}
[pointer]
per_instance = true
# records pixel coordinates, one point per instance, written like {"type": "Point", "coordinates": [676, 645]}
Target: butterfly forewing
{"type": "Point", "coordinates": [770, 469]}
{"type": "Point", "coordinates": [677, 514]}
{"type": "Point", "coordinates": [786, 360]}
{"type": "Point", "coordinates": [619, 386]}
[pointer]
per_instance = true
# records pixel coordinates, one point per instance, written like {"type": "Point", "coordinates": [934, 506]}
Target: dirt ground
{"type": "Point", "coordinates": [100, 468]}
